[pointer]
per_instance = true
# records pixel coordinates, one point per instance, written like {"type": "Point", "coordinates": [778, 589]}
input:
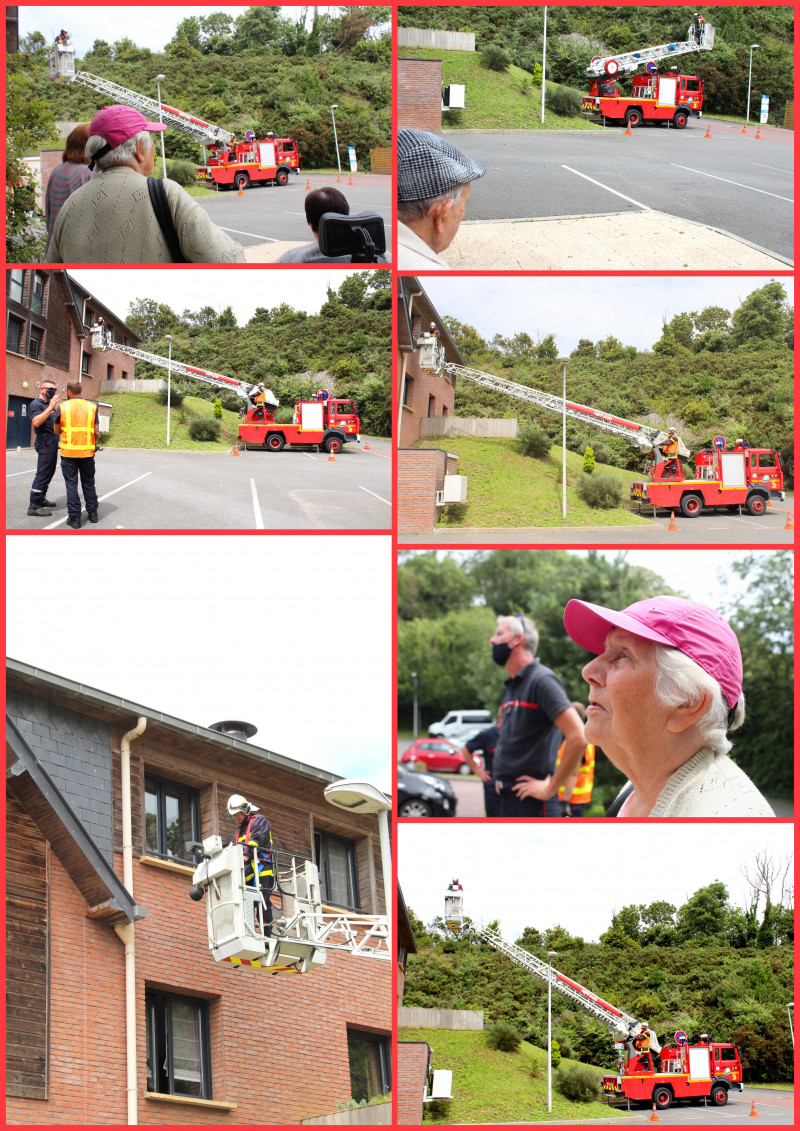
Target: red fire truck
{"type": "Point", "coordinates": [251, 162]}
{"type": "Point", "coordinates": [735, 477]}
{"type": "Point", "coordinates": [671, 97]}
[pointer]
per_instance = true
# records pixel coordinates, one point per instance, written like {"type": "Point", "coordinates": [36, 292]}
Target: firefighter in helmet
{"type": "Point", "coordinates": [670, 449]}
{"type": "Point", "coordinates": [258, 397]}
{"type": "Point", "coordinates": [254, 833]}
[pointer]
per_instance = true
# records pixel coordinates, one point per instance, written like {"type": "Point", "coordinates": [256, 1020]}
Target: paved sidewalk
{"type": "Point", "coordinates": [616, 241]}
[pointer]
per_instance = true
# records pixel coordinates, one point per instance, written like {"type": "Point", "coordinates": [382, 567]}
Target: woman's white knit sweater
{"type": "Point", "coordinates": [710, 785]}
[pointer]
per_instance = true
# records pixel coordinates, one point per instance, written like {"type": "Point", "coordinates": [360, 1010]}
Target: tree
{"type": "Point", "coordinates": [588, 461]}
{"type": "Point", "coordinates": [30, 122]}
{"type": "Point", "coordinates": [703, 919]}
{"type": "Point", "coordinates": [584, 348]}
{"type": "Point", "coordinates": [256, 30]}
{"type": "Point", "coordinates": [428, 586]}
{"type": "Point", "coordinates": [764, 319]}
{"type": "Point", "coordinates": [151, 320]}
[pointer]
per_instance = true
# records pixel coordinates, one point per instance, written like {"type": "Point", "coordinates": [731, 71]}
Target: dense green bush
{"type": "Point", "coordinates": [563, 100]}
{"type": "Point", "coordinates": [495, 58]}
{"type": "Point", "coordinates": [588, 461]}
{"type": "Point", "coordinates": [534, 441]}
{"type": "Point", "coordinates": [503, 1037]}
{"type": "Point", "coordinates": [182, 172]}
{"type": "Point", "coordinates": [204, 428]}
{"type": "Point", "coordinates": [217, 409]}
{"type": "Point", "coordinates": [175, 397]}
{"type": "Point", "coordinates": [604, 491]}
{"type": "Point", "coordinates": [577, 1082]}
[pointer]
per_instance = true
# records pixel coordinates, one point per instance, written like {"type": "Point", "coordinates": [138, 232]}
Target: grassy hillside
{"type": "Point", "coordinates": [505, 100]}
{"type": "Point", "coordinates": [507, 488]}
{"type": "Point", "coordinates": [497, 1087]}
{"type": "Point", "coordinates": [140, 422]}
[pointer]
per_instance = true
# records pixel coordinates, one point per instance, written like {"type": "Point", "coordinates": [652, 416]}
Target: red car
{"type": "Point", "coordinates": [439, 754]}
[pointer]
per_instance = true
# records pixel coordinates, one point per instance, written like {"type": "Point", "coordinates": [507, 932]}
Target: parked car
{"type": "Point", "coordinates": [456, 723]}
{"type": "Point", "coordinates": [439, 754]}
{"type": "Point", "coordinates": [423, 795]}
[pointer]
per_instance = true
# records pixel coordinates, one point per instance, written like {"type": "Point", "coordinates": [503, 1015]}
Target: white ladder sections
{"type": "Point", "coordinates": [630, 61]}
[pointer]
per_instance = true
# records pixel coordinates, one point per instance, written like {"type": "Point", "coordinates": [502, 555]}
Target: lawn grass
{"type": "Point", "coordinates": [494, 98]}
{"type": "Point", "coordinates": [508, 489]}
{"type": "Point", "coordinates": [498, 1087]}
{"type": "Point", "coordinates": [140, 422]}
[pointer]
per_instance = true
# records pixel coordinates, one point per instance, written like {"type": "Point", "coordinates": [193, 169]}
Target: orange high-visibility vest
{"type": "Point", "coordinates": [582, 793]}
{"type": "Point", "coordinates": [77, 428]}
{"type": "Point", "coordinates": [670, 447]}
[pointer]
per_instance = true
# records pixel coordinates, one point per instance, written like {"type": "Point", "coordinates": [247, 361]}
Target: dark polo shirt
{"type": "Point", "coordinates": [528, 742]}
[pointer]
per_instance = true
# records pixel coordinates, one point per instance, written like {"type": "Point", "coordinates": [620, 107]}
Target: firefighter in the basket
{"type": "Point", "coordinates": [670, 449]}
{"type": "Point", "coordinates": [258, 397]}
{"type": "Point", "coordinates": [254, 833]}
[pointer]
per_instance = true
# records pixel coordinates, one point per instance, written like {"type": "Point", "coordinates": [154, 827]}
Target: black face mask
{"type": "Point", "coordinates": [500, 654]}
{"type": "Point", "coordinates": [48, 394]}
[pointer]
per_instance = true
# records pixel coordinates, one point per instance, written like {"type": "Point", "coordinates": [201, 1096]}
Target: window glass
{"type": "Point", "coordinates": [35, 337]}
{"type": "Point", "coordinates": [37, 300]}
{"type": "Point", "coordinates": [186, 1049]}
{"type": "Point", "coordinates": [171, 818]}
{"type": "Point", "coordinates": [336, 860]}
{"type": "Point", "coordinates": [370, 1072]}
{"type": "Point", "coordinates": [16, 285]}
{"type": "Point", "coordinates": [14, 334]}
{"type": "Point", "coordinates": [178, 1052]}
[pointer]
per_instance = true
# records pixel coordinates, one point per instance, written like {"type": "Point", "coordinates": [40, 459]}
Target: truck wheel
{"type": "Point", "coordinates": [662, 1097]}
{"type": "Point", "coordinates": [691, 506]}
{"type": "Point", "coordinates": [241, 181]}
{"type": "Point", "coordinates": [282, 177]}
{"type": "Point", "coordinates": [756, 504]}
{"type": "Point", "coordinates": [719, 1095]}
{"type": "Point", "coordinates": [633, 117]}
{"type": "Point", "coordinates": [274, 442]}
{"type": "Point", "coordinates": [680, 120]}
{"type": "Point", "coordinates": [333, 444]}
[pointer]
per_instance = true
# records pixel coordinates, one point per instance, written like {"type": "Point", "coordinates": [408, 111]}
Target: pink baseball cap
{"type": "Point", "coordinates": [696, 630]}
{"type": "Point", "coordinates": [119, 123]}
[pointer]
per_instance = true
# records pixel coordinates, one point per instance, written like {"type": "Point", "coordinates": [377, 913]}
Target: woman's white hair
{"type": "Point", "coordinates": [122, 155]}
{"type": "Point", "coordinates": [681, 682]}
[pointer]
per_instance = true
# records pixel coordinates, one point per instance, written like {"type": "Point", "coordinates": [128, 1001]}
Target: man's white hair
{"type": "Point", "coordinates": [122, 155]}
{"type": "Point", "coordinates": [419, 209]}
{"type": "Point", "coordinates": [682, 682]}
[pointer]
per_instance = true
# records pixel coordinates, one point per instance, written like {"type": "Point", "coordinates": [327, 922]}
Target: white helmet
{"type": "Point", "coordinates": [239, 804]}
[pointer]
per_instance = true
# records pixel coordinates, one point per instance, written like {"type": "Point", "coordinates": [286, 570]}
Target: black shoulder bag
{"type": "Point", "coordinates": [158, 199]}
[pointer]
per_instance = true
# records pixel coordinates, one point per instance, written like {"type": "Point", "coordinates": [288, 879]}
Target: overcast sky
{"type": "Point", "coordinates": [632, 309]}
{"type": "Point", "coordinates": [290, 633]}
{"type": "Point", "coordinates": [573, 873]}
{"type": "Point", "coordinates": [191, 290]}
{"type": "Point", "coordinates": [148, 26]}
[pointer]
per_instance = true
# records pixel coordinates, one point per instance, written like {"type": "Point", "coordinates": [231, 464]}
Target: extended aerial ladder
{"type": "Point", "coordinates": [432, 359]}
{"type": "Point", "coordinates": [61, 67]}
{"type": "Point", "coordinates": [697, 39]}
{"type": "Point", "coordinates": [103, 341]}
{"type": "Point", "coordinates": [631, 1036]}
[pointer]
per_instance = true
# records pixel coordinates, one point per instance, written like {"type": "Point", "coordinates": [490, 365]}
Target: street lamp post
{"type": "Point", "coordinates": [159, 79]}
{"type": "Point", "coordinates": [789, 1009]}
{"type": "Point", "coordinates": [753, 47]}
{"type": "Point", "coordinates": [362, 797]}
{"type": "Point", "coordinates": [169, 380]}
{"type": "Point", "coordinates": [551, 954]}
{"type": "Point", "coordinates": [416, 703]}
{"type": "Point", "coordinates": [335, 138]}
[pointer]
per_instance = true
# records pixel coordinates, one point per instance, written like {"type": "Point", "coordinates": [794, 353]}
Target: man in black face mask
{"type": "Point", "coordinates": [45, 443]}
{"type": "Point", "coordinates": [535, 717]}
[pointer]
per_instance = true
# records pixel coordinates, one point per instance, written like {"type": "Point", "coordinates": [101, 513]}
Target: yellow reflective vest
{"type": "Point", "coordinates": [77, 428]}
{"type": "Point", "coordinates": [582, 793]}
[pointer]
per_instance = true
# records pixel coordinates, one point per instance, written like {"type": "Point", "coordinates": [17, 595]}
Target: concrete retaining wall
{"type": "Point", "coordinates": [467, 426]}
{"type": "Point", "coordinates": [438, 40]}
{"type": "Point", "coordinates": [370, 1114]}
{"type": "Point", "coordinates": [133, 386]}
{"type": "Point", "coordinates": [439, 1018]}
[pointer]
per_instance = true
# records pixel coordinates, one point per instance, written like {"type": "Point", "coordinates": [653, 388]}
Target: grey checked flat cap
{"type": "Point", "coordinates": [427, 165]}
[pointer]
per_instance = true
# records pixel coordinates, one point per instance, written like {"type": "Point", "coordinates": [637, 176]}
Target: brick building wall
{"type": "Point", "coordinates": [420, 474]}
{"type": "Point", "coordinates": [419, 94]}
{"type": "Point", "coordinates": [413, 1058]}
{"type": "Point", "coordinates": [50, 159]}
{"type": "Point", "coordinates": [424, 395]}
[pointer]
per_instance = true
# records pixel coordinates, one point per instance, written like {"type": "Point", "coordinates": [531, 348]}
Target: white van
{"type": "Point", "coordinates": [457, 723]}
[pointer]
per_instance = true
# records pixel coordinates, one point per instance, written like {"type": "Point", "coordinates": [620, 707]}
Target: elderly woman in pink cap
{"type": "Point", "coordinates": [665, 687]}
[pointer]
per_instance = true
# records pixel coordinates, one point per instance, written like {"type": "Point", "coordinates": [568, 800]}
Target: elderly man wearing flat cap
{"type": "Point", "coordinates": [433, 187]}
{"type": "Point", "coordinates": [111, 219]}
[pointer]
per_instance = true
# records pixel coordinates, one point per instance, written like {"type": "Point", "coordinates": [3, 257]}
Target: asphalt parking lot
{"type": "Point", "coordinates": [729, 181]}
{"type": "Point", "coordinates": [157, 490]}
{"type": "Point", "coordinates": [271, 214]}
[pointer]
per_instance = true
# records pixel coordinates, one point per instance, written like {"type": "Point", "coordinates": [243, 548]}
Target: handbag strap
{"type": "Point", "coordinates": [158, 199]}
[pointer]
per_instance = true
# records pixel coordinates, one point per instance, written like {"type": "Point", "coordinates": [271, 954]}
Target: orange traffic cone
{"type": "Point", "coordinates": [758, 134]}
{"type": "Point", "coordinates": [331, 458]}
{"type": "Point", "coordinates": [351, 182]}
{"type": "Point", "coordinates": [628, 129]}
{"type": "Point", "coordinates": [788, 525]}
{"type": "Point", "coordinates": [235, 450]}
{"type": "Point", "coordinates": [672, 525]}
{"type": "Point", "coordinates": [241, 191]}
{"type": "Point", "coordinates": [654, 1116]}
{"type": "Point", "coordinates": [744, 129]}
{"type": "Point", "coordinates": [366, 446]}
{"type": "Point", "coordinates": [338, 178]}
{"type": "Point", "coordinates": [308, 184]}
{"type": "Point", "coordinates": [769, 502]}
{"type": "Point", "coordinates": [708, 131]}
{"type": "Point", "coordinates": [753, 1110]}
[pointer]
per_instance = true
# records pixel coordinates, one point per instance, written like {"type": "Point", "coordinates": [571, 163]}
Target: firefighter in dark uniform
{"type": "Point", "coordinates": [254, 833]}
{"type": "Point", "coordinates": [45, 444]}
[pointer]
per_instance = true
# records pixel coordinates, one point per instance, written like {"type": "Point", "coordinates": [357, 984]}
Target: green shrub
{"type": "Point", "coordinates": [602, 454]}
{"type": "Point", "coordinates": [588, 461]}
{"type": "Point", "coordinates": [565, 1045]}
{"type": "Point", "coordinates": [534, 441]}
{"type": "Point", "coordinates": [555, 1054]}
{"type": "Point", "coordinates": [175, 398]}
{"type": "Point", "coordinates": [578, 1083]}
{"type": "Point", "coordinates": [602, 490]}
{"type": "Point", "coordinates": [504, 1037]}
{"type": "Point", "coordinates": [563, 100]}
{"type": "Point", "coordinates": [204, 428]}
{"type": "Point", "coordinates": [217, 409]}
{"type": "Point", "coordinates": [182, 172]}
{"type": "Point", "coordinates": [495, 57]}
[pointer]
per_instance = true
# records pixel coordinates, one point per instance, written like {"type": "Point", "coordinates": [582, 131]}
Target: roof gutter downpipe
{"type": "Point", "coordinates": [126, 930]}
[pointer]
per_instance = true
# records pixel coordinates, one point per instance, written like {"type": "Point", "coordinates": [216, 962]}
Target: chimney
{"type": "Point", "coordinates": [235, 728]}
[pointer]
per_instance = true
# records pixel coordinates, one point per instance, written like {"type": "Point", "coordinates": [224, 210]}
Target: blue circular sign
{"type": "Point", "coordinates": [651, 68]}
{"type": "Point", "coordinates": [249, 136]}
{"type": "Point", "coordinates": [681, 1038]}
{"type": "Point", "coordinates": [719, 443]}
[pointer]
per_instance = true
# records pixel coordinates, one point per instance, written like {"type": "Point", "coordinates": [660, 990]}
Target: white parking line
{"type": "Point", "coordinates": [31, 471]}
{"type": "Point", "coordinates": [102, 498]}
{"type": "Point", "coordinates": [252, 234]}
{"type": "Point", "coordinates": [379, 497]}
{"type": "Point", "coordinates": [256, 507]}
{"type": "Point", "coordinates": [727, 182]}
{"type": "Point", "coordinates": [602, 186]}
{"type": "Point", "coordinates": [761, 165]}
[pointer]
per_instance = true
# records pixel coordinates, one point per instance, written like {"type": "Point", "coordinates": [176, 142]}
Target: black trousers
{"type": "Point", "coordinates": [71, 469]}
{"type": "Point", "coordinates": [46, 447]}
